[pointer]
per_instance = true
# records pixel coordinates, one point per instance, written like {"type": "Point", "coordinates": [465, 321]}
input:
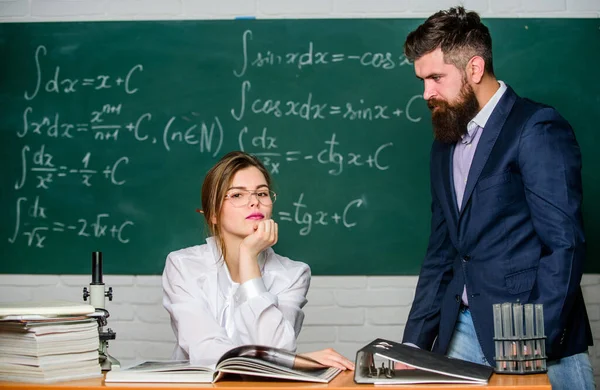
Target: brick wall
{"type": "Point", "coordinates": [71, 10]}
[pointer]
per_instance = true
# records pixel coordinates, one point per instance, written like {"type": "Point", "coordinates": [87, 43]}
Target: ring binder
{"type": "Point", "coordinates": [376, 363]}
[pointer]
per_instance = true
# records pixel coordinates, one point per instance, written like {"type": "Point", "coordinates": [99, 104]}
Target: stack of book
{"type": "Point", "coordinates": [46, 342]}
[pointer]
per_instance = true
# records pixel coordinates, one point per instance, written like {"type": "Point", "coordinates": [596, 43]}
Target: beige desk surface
{"type": "Point", "coordinates": [341, 382]}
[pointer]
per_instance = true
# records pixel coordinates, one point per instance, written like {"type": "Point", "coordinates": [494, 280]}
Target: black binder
{"type": "Point", "coordinates": [376, 361]}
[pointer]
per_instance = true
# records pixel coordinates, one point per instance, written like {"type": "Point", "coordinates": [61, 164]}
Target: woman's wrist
{"type": "Point", "coordinates": [248, 267]}
{"type": "Point", "coordinates": [248, 254]}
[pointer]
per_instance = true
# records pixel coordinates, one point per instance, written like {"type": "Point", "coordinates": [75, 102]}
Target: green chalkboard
{"type": "Point", "coordinates": [107, 130]}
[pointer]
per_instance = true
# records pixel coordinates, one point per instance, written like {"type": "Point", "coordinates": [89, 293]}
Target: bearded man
{"type": "Point", "coordinates": [506, 223]}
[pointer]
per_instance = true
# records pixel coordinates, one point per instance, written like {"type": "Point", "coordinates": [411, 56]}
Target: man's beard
{"type": "Point", "coordinates": [450, 120]}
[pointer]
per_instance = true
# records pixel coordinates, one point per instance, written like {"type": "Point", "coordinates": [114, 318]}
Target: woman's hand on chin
{"type": "Point", "coordinates": [265, 235]}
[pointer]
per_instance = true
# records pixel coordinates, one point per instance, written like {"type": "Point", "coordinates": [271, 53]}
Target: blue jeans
{"type": "Point", "coordinates": [571, 373]}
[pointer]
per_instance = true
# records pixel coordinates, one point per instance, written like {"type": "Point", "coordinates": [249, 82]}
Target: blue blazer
{"type": "Point", "coordinates": [518, 237]}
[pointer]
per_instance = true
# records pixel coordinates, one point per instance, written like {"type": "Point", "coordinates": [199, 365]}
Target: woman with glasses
{"type": "Point", "coordinates": [235, 289]}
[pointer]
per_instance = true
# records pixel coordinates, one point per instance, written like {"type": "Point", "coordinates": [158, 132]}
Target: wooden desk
{"type": "Point", "coordinates": [343, 381]}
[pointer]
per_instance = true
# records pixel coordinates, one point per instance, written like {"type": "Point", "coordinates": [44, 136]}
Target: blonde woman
{"type": "Point", "coordinates": [235, 289]}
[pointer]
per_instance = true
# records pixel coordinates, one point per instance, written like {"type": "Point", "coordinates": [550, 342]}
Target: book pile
{"type": "Point", "coordinates": [48, 342]}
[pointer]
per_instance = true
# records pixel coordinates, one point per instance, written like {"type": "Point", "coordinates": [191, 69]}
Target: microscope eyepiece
{"type": "Point", "coordinates": [97, 268]}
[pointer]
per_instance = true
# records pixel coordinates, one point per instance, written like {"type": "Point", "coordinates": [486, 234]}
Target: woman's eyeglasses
{"type": "Point", "coordinates": [241, 198]}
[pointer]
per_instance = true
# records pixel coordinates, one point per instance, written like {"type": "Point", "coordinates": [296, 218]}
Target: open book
{"type": "Point", "coordinates": [376, 363]}
{"type": "Point", "coordinates": [252, 360]}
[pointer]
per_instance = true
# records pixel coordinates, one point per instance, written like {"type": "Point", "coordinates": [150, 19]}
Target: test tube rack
{"type": "Point", "coordinates": [519, 338]}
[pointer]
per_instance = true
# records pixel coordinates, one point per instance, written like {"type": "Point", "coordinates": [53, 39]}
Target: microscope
{"type": "Point", "coordinates": [97, 294]}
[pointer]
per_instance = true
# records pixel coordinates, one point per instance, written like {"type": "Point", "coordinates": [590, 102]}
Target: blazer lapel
{"type": "Point", "coordinates": [486, 142]}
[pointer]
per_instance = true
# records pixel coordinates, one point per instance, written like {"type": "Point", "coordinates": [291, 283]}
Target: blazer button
{"type": "Point", "coordinates": [466, 258]}
{"type": "Point", "coordinates": [457, 298]}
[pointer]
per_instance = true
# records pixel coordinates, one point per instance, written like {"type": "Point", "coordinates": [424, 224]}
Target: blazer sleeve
{"type": "Point", "coordinates": [198, 333]}
{"type": "Point", "coordinates": [422, 326]}
{"type": "Point", "coordinates": [550, 164]}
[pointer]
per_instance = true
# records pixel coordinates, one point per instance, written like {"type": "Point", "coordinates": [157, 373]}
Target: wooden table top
{"type": "Point", "coordinates": [343, 381]}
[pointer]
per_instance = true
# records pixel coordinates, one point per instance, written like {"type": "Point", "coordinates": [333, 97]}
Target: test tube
{"type": "Point", "coordinates": [529, 334]}
{"type": "Point", "coordinates": [519, 344]}
{"type": "Point", "coordinates": [507, 330]}
{"type": "Point", "coordinates": [518, 319]}
{"type": "Point", "coordinates": [539, 320]}
{"type": "Point", "coordinates": [540, 346]}
{"type": "Point", "coordinates": [498, 334]}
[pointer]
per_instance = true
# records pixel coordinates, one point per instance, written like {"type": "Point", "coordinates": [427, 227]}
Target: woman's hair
{"type": "Point", "coordinates": [217, 182]}
{"type": "Point", "coordinates": [458, 33]}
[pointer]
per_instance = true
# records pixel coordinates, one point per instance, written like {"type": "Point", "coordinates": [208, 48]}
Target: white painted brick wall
{"type": "Point", "coordinates": [67, 9]}
{"type": "Point", "coordinates": [18, 8]}
{"type": "Point", "coordinates": [361, 7]}
{"type": "Point", "coordinates": [134, 8]}
{"type": "Point", "coordinates": [343, 312]}
{"type": "Point", "coordinates": [203, 8]}
{"type": "Point", "coordinates": [292, 8]}
{"type": "Point", "coordinates": [583, 5]}
{"type": "Point", "coordinates": [77, 10]}
{"type": "Point", "coordinates": [544, 6]}
{"type": "Point", "coordinates": [430, 6]}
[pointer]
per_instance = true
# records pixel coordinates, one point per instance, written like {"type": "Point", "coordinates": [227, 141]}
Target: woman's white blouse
{"type": "Point", "coordinates": [211, 314]}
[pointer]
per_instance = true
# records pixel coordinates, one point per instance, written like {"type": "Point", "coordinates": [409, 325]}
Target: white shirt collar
{"type": "Point", "coordinates": [482, 116]}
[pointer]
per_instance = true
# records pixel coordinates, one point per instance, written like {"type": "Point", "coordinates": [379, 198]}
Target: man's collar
{"type": "Point", "coordinates": [484, 114]}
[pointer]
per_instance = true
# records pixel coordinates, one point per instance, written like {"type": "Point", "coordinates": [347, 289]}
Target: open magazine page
{"type": "Point", "coordinates": [177, 371]}
{"type": "Point", "coordinates": [166, 365]}
{"type": "Point", "coordinates": [273, 363]}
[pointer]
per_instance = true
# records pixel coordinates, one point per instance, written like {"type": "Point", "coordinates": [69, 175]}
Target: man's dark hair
{"type": "Point", "coordinates": [460, 35]}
